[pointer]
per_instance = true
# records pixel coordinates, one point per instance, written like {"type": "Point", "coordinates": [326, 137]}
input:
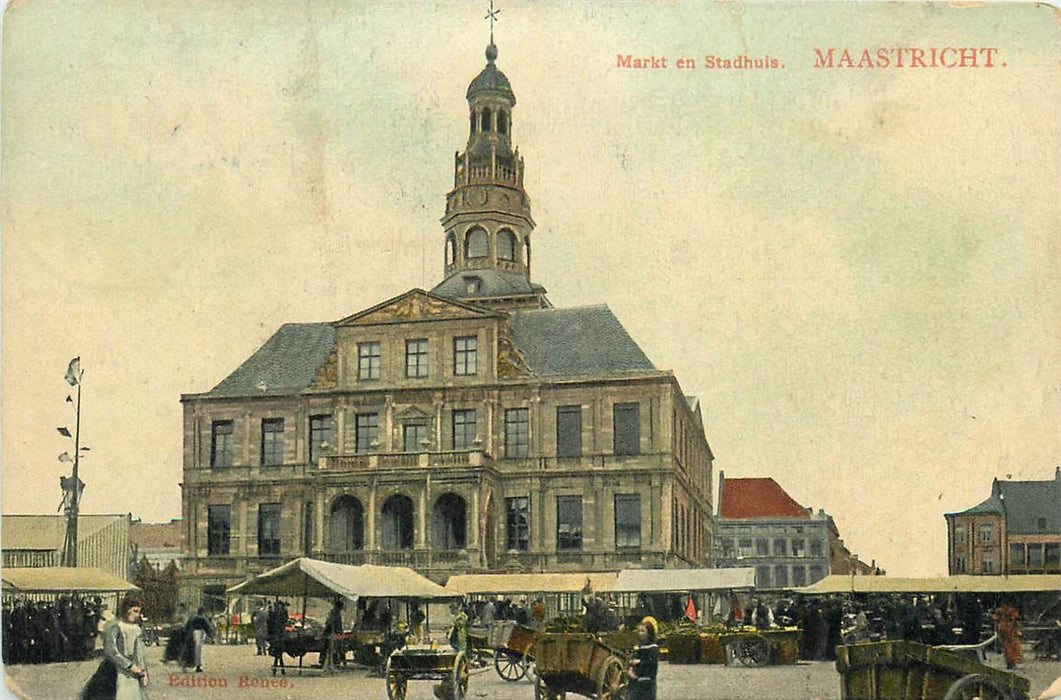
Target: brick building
{"type": "Point", "coordinates": [1016, 530]}
{"type": "Point", "coordinates": [470, 428]}
{"type": "Point", "coordinates": [759, 525]}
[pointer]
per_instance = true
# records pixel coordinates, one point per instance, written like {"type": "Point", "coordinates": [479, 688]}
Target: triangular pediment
{"type": "Point", "coordinates": [415, 305]}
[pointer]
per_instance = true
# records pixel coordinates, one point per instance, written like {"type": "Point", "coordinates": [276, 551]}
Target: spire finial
{"type": "Point", "coordinates": [492, 16]}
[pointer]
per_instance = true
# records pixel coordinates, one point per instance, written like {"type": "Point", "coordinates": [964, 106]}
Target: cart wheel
{"type": "Point", "coordinates": [397, 686]}
{"type": "Point", "coordinates": [460, 677]}
{"type": "Point", "coordinates": [544, 692]}
{"type": "Point", "coordinates": [509, 665]}
{"type": "Point", "coordinates": [612, 682]}
{"type": "Point", "coordinates": [976, 686]}
{"type": "Point", "coordinates": [751, 652]}
{"type": "Point", "coordinates": [530, 667]}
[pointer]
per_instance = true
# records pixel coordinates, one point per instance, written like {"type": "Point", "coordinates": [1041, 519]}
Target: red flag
{"type": "Point", "coordinates": [690, 609]}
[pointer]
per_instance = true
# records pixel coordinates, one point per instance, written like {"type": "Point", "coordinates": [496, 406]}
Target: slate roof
{"type": "Point", "coordinates": [582, 341]}
{"type": "Point", "coordinates": [285, 364]}
{"type": "Point", "coordinates": [990, 506]}
{"type": "Point", "coordinates": [1028, 501]}
{"type": "Point", "coordinates": [495, 283]}
{"type": "Point", "coordinates": [757, 498]}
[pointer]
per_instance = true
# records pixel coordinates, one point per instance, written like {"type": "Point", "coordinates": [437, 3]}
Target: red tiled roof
{"type": "Point", "coordinates": [757, 498]}
{"type": "Point", "coordinates": [156, 535]}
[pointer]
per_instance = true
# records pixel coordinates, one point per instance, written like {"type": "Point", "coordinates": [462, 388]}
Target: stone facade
{"type": "Point", "coordinates": [759, 525]}
{"type": "Point", "coordinates": [472, 428]}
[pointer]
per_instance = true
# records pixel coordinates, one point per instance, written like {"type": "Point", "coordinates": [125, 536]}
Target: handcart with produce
{"type": "Point", "coordinates": [427, 663]}
{"type": "Point", "coordinates": [906, 670]}
{"type": "Point", "coordinates": [511, 643]}
{"type": "Point", "coordinates": [577, 663]}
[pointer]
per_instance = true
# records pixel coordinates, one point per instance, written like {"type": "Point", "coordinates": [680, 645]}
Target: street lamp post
{"type": "Point", "coordinates": [72, 489]}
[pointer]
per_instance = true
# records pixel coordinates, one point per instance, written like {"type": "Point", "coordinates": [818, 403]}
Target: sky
{"type": "Point", "coordinates": [854, 269]}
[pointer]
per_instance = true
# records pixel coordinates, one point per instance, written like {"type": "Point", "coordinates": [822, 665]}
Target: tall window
{"type": "Point", "coordinates": [218, 529]}
{"type": "Point", "coordinates": [416, 358]}
{"type": "Point", "coordinates": [464, 429]}
{"type": "Point", "coordinates": [744, 545]}
{"type": "Point", "coordinates": [627, 520]}
{"type": "Point", "coordinates": [1052, 554]}
{"type": "Point", "coordinates": [816, 573]}
{"type": "Point", "coordinates": [799, 576]}
{"type": "Point", "coordinates": [476, 245]}
{"type": "Point", "coordinates": [368, 361]}
{"type": "Point", "coordinates": [366, 432]}
{"type": "Point", "coordinates": [1016, 555]}
{"type": "Point", "coordinates": [506, 245]}
{"type": "Point", "coordinates": [762, 547]}
{"type": "Point", "coordinates": [414, 435]}
{"type": "Point", "coordinates": [799, 548]}
{"type": "Point", "coordinates": [268, 529]}
{"type": "Point", "coordinates": [987, 563]}
{"type": "Point", "coordinates": [517, 432]}
{"type": "Point", "coordinates": [1035, 555]}
{"type": "Point", "coordinates": [626, 421]}
{"type": "Point", "coordinates": [780, 548]}
{"type": "Point", "coordinates": [272, 442]}
{"type": "Point", "coordinates": [959, 564]}
{"type": "Point", "coordinates": [987, 533]}
{"type": "Point", "coordinates": [321, 435]}
{"type": "Point", "coordinates": [780, 576]}
{"type": "Point", "coordinates": [959, 533]}
{"type": "Point", "coordinates": [517, 524]}
{"type": "Point", "coordinates": [762, 576]}
{"type": "Point", "coordinates": [221, 443]}
{"type": "Point", "coordinates": [568, 523]}
{"type": "Point", "coordinates": [568, 431]}
{"type": "Point", "coordinates": [465, 356]}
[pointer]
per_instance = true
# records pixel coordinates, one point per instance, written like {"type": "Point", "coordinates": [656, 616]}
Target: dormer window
{"type": "Point", "coordinates": [473, 285]}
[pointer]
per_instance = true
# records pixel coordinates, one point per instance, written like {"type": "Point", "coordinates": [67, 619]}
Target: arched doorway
{"type": "Point", "coordinates": [346, 525]}
{"type": "Point", "coordinates": [396, 528]}
{"type": "Point", "coordinates": [449, 524]}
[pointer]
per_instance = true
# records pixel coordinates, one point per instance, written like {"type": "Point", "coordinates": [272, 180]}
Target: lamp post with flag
{"type": "Point", "coordinates": [72, 487]}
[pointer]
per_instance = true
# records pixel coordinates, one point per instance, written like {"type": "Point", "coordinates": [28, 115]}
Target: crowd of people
{"type": "Point", "coordinates": [43, 632]}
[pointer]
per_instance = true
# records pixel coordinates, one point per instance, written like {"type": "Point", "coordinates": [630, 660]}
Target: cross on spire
{"type": "Point", "coordinates": [492, 16]}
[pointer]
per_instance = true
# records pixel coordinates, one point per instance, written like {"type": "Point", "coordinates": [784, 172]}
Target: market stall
{"type": "Point", "coordinates": [304, 578]}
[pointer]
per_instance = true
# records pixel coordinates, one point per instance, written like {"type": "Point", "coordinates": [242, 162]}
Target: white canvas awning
{"type": "Point", "coordinates": [322, 579]}
{"type": "Point", "coordinates": [683, 580]}
{"type": "Point", "coordinates": [490, 584]}
{"type": "Point", "coordinates": [63, 579]}
{"type": "Point", "coordinates": [940, 584]}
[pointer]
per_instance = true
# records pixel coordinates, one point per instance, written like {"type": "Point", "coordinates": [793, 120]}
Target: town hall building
{"type": "Point", "coordinates": [471, 428]}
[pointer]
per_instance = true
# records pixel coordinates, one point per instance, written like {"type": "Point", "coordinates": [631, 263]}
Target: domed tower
{"type": "Point", "coordinates": [488, 222]}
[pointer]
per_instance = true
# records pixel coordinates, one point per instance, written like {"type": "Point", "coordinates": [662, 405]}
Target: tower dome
{"type": "Point", "coordinates": [491, 80]}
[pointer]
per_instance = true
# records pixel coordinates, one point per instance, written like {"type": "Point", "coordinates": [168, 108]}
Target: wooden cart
{"type": "Point", "coordinates": [905, 670]}
{"type": "Point", "coordinates": [577, 663]}
{"type": "Point", "coordinates": [511, 643]}
{"type": "Point", "coordinates": [423, 663]}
